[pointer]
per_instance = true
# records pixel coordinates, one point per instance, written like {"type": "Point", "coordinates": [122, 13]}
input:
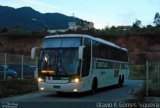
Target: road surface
{"type": "Point", "coordinates": [109, 95]}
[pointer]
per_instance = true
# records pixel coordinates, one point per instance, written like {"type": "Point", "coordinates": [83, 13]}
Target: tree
{"type": "Point", "coordinates": [3, 30]}
{"type": "Point", "coordinates": [17, 28]}
{"type": "Point", "coordinates": [1, 45]}
{"type": "Point", "coordinates": [83, 25]}
{"type": "Point", "coordinates": [137, 24]}
{"type": "Point", "coordinates": [157, 19]}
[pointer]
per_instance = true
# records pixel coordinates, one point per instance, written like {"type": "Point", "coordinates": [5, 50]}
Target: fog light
{"type": "Point", "coordinates": [42, 88]}
{"type": "Point", "coordinates": [75, 90]}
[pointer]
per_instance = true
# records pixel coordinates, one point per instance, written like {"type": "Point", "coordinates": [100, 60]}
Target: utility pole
{"type": "Point", "coordinates": [158, 75]}
{"type": "Point", "coordinates": [147, 72]}
{"type": "Point", "coordinates": [74, 23]}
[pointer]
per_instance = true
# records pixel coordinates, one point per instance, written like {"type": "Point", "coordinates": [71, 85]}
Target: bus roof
{"type": "Point", "coordinates": [87, 36]}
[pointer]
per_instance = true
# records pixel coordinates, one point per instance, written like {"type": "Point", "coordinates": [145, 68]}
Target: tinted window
{"type": "Point", "coordinates": [103, 51]}
{"type": "Point", "coordinates": [1, 68]}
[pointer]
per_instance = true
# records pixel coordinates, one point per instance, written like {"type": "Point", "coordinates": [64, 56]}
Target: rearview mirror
{"type": "Point", "coordinates": [35, 52]}
{"type": "Point", "coordinates": [80, 52]}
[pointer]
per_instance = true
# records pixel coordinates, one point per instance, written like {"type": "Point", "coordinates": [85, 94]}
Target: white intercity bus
{"type": "Point", "coordinates": [79, 63]}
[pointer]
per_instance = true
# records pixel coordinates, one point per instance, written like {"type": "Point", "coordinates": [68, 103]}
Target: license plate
{"type": "Point", "coordinates": [56, 87]}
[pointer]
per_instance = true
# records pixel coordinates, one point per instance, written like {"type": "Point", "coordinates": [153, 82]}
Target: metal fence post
{"type": "Point", "coordinates": [22, 66]}
{"type": "Point", "coordinates": [158, 75]}
{"type": "Point", "coordinates": [5, 64]}
{"type": "Point", "coordinates": [147, 71]}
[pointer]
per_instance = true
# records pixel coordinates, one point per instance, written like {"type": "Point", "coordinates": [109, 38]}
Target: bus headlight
{"type": "Point", "coordinates": [75, 80]}
{"type": "Point", "coordinates": [42, 88]}
{"type": "Point", "coordinates": [40, 80]}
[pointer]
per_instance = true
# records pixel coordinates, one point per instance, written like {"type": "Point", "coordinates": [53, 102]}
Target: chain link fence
{"type": "Point", "coordinates": [17, 66]}
{"type": "Point", "coordinates": [152, 79]}
{"type": "Point", "coordinates": [137, 66]}
{"type": "Point", "coordinates": [146, 66]}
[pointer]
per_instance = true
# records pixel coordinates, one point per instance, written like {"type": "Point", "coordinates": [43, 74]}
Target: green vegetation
{"type": "Point", "coordinates": [137, 72]}
{"type": "Point", "coordinates": [106, 33]}
{"type": "Point", "coordinates": [154, 87]}
{"type": "Point", "coordinates": [118, 32]}
{"type": "Point", "coordinates": [154, 81]}
{"type": "Point", "coordinates": [17, 87]}
{"type": "Point", "coordinates": [25, 34]}
{"type": "Point", "coordinates": [123, 31]}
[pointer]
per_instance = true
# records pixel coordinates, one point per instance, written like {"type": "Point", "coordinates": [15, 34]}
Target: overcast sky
{"type": "Point", "coordinates": [101, 12]}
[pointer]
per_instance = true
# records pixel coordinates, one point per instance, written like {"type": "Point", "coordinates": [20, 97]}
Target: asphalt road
{"type": "Point", "coordinates": [108, 95]}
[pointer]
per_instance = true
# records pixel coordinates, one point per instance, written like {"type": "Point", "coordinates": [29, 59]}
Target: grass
{"type": "Point", "coordinates": [17, 87]}
{"type": "Point", "coordinates": [154, 89]}
{"type": "Point", "coordinates": [138, 97]}
{"type": "Point", "coordinates": [137, 72]}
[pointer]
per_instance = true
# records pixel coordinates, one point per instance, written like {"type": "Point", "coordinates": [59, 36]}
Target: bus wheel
{"type": "Point", "coordinates": [121, 80]}
{"type": "Point", "coordinates": [94, 86]}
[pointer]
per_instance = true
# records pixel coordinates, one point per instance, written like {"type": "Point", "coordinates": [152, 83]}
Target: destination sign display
{"type": "Point", "coordinates": [102, 64]}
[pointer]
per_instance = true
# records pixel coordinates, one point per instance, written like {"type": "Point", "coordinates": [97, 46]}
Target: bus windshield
{"type": "Point", "coordinates": [59, 61]}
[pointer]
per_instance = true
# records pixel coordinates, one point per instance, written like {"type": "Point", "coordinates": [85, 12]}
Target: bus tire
{"type": "Point", "coordinates": [94, 86]}
{"type": "Point", "coordinates": [121, 80]}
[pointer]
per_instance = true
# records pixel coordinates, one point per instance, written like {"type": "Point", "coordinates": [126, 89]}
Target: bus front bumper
{"type": "Point", "coordinates": [68, 87]}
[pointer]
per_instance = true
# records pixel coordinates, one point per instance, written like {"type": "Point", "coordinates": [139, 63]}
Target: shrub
{"type": "Point", "coordinates": [16, 87]}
